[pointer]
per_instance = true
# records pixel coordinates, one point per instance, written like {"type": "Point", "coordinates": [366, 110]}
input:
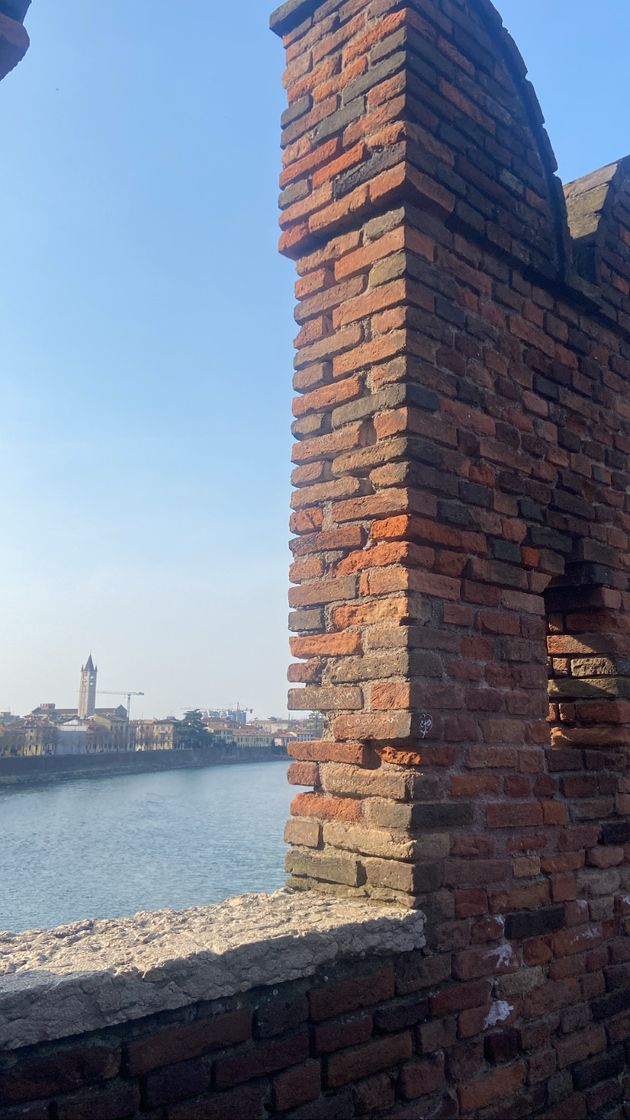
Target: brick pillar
{"type": "Point", "coordinates": [460, 473]}
{"type": "Point", "coordinates": [14, 40]}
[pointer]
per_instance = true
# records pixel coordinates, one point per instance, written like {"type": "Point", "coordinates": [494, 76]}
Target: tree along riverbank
{"type": "Point", "coordinates": [38, 769]}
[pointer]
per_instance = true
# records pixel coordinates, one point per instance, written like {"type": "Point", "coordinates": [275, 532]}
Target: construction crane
{"type": "Point", "coordinates": [121, 692]}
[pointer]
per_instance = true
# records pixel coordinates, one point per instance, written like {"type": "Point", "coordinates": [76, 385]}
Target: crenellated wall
{"type": "Point", "coordinates": [460, 614]}
{"type": "Point", "coordinates": [461, 516]}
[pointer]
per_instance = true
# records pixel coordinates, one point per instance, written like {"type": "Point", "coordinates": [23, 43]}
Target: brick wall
{"type": "Point", "coordinates": [460, 521]}
{"type": "Point", "coordinates": [393, 1037]}
{"type": "Point", "coordinates": [319, 1048]}
{"type": "Point", "coordinates": [461, 583]}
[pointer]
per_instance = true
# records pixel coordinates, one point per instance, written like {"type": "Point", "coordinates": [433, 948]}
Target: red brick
{"type": "Point", "coordinates": [514, 814]}
{"type": "Point", "coordinates": [494, 961]}
{"type": "Point", "coordinates": [373, 1095]}
{"type": "Point", "coordinates": [338, 645]}
{"type": "Point", "coordinates": [176, 1082]}
{"type": "Point", "coordinates": [459, 997]}
{"type": "Point", "coordinates": [58, 1070]}
{"type": "Point", "coordinates": [326, 808]}
{"type": "Point", "coordinates": [267, 1057]}
{"type": "Point", "coordinates": [580, 1045]}
{"type": "Point", "coordinates": [470, 903]}
{"type": "Point", "coordinates": [297, 1086]}
{"type": "Point", "coordinates": [246, 1101]}
{"type": "Point", "coordinates": [329, 396]}
{"type": "Point", "coordinates": [421, 1077]}
{"type": "Point", "coordinates": [374, 250]}
{"type": "Point", "coordinates": [383, 1053]}
{"type": "Point", "coordinates": [338, 1034]}
{"type": "Point", "coordinates": [188, 1040]}
{"type": "Point", "coordinates": [499, 1085]}
{"type": "Point", "coordinates": [324, 750]}
{"type": "Point", "coordinates": [113, 1101]}
{"type": "Point", "coordinates": [303, 774]}
{"type": "Point", "coordinates": [572, 1108]}
{"type": "Point", "coordinates": [364, 990]}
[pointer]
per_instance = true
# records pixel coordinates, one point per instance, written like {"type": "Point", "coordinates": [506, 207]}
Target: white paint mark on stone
{"type": "Point", "coordinates": [425, 724]}
{"type": "Point", "coordinates": [504, 954]}
{"type": "Point", "coordinates": [499, 1011]}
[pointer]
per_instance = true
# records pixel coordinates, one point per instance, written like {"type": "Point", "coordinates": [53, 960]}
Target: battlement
{"type": "Point", "coordinates": [461, 617]}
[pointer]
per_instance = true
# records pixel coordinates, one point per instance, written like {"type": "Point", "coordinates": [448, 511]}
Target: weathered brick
{"type": "Point", "coordinates": [326, 867]}
{"type": "Point", "coordinates": [496, 1086]}
{"type": "Point", "coordinates": [176, 1082]}
{"type": "Point", "coordinates": [363, 990]}
{"type": "Point", "coordinates": [113, 1101]}
{"type": "Point", "coordinates": [421, 1077]}
{"type": "Point", "coordinates": [580, 1045]}
{"type": "Point", "coordinates": [246, 1101]}
{"type": "Point", "coordinates": [610, 1064]}
{"type": "Point", "coordinates": [40, 1074]}
{"type": "Point", "coordinates": [382, 1053]}
{"type": "Point", "coordinates": [297, 1086]}
{"type": "Point", "coordinates": [188, 1040]}
{"type": "Point", "coordinates": [267, 1057]}
{"type": "Point", "coordinates": [532, 923]}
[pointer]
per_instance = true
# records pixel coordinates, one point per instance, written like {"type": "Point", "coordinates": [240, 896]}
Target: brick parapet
{"type": "Point", "coordinates": [262, 1006]}
{"type": "Point", "coordinates": [460, 514]}
{"type": "Point", "coordinates": [482, 1033]}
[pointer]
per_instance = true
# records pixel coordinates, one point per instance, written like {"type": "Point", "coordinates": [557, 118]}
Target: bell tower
{"type": "Point", "coordinates": [87, 690]}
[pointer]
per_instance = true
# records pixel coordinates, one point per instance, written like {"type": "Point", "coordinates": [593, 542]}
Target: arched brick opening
{"type": "Point", "coordinates": [588, 641]}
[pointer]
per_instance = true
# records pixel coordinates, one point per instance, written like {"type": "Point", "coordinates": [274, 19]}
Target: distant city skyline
{"type": "Point", "coordinates": [89, 691]}
{"type": "Point", "coordinates": [146, 327]}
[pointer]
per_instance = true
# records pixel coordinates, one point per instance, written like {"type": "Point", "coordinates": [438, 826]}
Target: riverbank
{"type": "Point", "coordinates": [40, 770]}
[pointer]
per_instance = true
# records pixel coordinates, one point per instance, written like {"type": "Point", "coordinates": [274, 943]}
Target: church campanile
{"type": "Point", "coordinates": [87, 691]}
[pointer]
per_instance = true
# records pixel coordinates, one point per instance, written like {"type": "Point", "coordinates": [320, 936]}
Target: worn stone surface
{"type": "Point", "coordinates": [95, 973]}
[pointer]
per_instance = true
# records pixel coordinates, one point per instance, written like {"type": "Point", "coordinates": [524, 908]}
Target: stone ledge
{"type": "Point", "coordinates": [286, 17]}
{"type": "Point", "coordinates": [94, 974]}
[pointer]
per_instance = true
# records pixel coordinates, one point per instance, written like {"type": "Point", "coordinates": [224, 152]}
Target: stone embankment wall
{"type": "Point", "coordinates": [37, 770]}
{"type": "Point", "coordinates": [461, 568]}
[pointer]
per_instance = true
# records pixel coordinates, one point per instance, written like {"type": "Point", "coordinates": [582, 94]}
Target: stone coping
{"type": "Point", "coordinates": [288, 15]}
{"type": "Point", "coordinates": [94, 974]}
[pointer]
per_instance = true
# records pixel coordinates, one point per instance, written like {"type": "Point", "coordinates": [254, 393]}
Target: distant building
{"type": "Point", "coordinates": [72, 737]}
{"type": "Point", "coordinates": [156, 734]}
{"type": "Point", "coordinates": [82, 730]}
{"type": "Point", "coordinates": [97, 735]}
{"type": "Point", "coordinates": [243, 736]}
{"type": "Point", "coordinates": [28, 736]}
{"type": "Point", "coordinates": [62, 715]}
{"type": "Point", "coordinates": [231, 715]}
{"type": "Point", "coordinates": [87, 690]}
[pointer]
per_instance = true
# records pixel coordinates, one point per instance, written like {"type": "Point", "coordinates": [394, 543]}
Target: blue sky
{"type": "Point", "coordinates": [146, 332]}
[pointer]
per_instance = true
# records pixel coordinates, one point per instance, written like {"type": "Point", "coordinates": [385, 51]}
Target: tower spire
{"type": "Point", "coordinates": [87, 690]}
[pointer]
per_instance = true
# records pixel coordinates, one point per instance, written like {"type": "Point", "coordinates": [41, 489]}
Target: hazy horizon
{"type": "Point", "coordinates": [146, 321]}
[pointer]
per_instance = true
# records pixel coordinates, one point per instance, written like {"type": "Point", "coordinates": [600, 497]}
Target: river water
{"type": "Point", "coordinates": [112, 846]}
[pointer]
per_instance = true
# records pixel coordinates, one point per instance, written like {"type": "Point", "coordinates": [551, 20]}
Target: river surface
{"type": "Point", "coordinates": [106, 847]}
